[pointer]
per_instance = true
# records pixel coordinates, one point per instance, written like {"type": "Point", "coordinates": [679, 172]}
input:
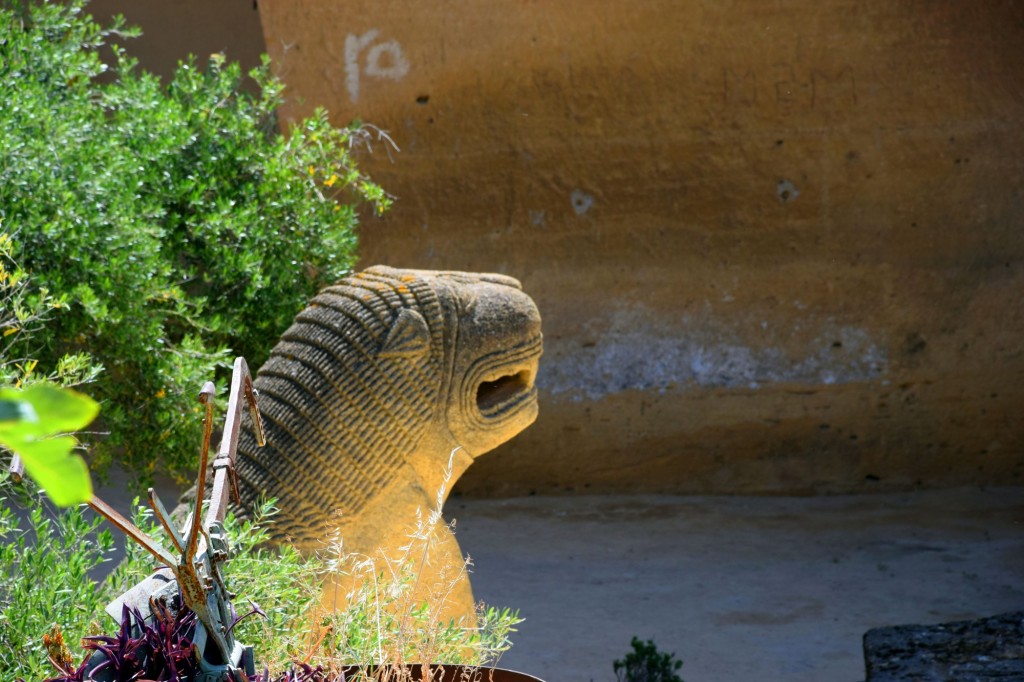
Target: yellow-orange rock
{"type": "Point", "coordinates": [377, 398]}
{"type": "Point", "coordinates": [778, 246]}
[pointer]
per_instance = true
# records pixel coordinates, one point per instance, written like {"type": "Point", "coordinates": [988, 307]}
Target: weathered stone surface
{"type": "Point", "coordinates": [383, 383]}
{"type": "Point", "coordinates": [983, 650]}
{"type": "Point", "coordinates": [777, 245]}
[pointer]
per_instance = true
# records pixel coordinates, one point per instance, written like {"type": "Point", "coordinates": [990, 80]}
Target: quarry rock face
{"type": "Point", "coordinates": [777, 247]}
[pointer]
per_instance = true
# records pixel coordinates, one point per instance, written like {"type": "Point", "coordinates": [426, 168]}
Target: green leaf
{"type": "Point", "coordinates": [55, 409]}
{"type": "Point", "coordinates": [50, 462]}
{"type": "Point", "coordinates": [28, 420]}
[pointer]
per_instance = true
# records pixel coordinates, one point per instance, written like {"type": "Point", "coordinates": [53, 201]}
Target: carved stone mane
{"type": "Point", "coordinates": [345, 395]}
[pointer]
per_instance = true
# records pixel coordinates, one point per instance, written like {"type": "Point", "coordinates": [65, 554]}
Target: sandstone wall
{"type": "Point", "coordinates": [778, 247]}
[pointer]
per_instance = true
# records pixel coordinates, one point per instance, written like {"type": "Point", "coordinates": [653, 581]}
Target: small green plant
{"type": "Point", "coordinates": [285, 584]}
{"type": "Point", "coordinates": [32, 421]}
{"type": "Point", "coordinates": [646, 664]}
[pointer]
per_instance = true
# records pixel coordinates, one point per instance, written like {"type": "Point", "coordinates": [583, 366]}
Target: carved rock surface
{"type": "Point", "coordinates": [378, 397]}
{"type": "Point", "coordinates": [373, 387]}
{"type": "Point", "coordinates": [982, 650]}
{"type": "Point", "coordinates": [777, 245]}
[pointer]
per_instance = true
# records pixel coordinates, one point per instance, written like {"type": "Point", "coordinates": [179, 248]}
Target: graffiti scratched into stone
{"type": "Point", "coordinates": [367, 56]}
{"type": "Point", "coordinates": [809, 88]}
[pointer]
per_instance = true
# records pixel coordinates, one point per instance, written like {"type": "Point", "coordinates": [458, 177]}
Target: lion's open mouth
{"type": "Point", "coordinates": [502, 384]}
{"type": "Point", "coordinates": [496, 395]}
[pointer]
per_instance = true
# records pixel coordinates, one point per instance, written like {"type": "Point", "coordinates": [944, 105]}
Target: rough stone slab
{"type": "Point", "coordinates": [982, 650]}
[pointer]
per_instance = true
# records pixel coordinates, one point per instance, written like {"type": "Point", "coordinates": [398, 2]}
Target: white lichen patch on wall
{"type": "Point", "coordinates": [690, 353]}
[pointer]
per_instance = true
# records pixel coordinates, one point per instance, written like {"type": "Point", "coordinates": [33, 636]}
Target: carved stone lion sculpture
{"type": "Point", "coordinates": [372, 389]}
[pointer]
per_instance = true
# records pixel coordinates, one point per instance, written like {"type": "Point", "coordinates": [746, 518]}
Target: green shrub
{"type": "Point", "coordinates": [174, 222]}
{"type": "Point", "coordinates": [33, 412]}
{"type": "Point", "coordinates": [24, 311]}
{"type": "Point", "coordinates": [45, 560]}
{"type": "Point", "coordinates": [646, 664]}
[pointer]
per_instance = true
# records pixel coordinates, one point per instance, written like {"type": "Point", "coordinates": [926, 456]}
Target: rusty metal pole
{"type": "Point", "coordinates": [224, 464]}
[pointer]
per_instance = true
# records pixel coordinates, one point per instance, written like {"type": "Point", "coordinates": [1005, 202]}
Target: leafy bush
{"type": "Point", "coordinates": [45, 560]}
{"type": "Point", "coordinates": [32, 409]}
{"type": "Point", "coordinates": [646, 664]}
{"type": "Point", "coordinates": [24, 310]}
{"type": "Point", "coordinates": [174, 222]}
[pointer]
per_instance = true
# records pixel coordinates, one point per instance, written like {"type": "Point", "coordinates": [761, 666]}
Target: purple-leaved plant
{"type": "Point", "coordinates": [161, 651]}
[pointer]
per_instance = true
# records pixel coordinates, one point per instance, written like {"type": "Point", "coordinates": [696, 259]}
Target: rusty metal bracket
{"type": "Point", "coordinates": [201, 546]}
{"type": "Point", "coordinates": [224, 463]}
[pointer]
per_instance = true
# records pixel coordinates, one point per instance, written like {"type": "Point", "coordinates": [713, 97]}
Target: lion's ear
{"type": "Point", "coordinates": [408, 336]}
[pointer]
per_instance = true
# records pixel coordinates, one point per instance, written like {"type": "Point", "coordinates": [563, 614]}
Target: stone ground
{"type": "Point", "coordinates": [740, 588]}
